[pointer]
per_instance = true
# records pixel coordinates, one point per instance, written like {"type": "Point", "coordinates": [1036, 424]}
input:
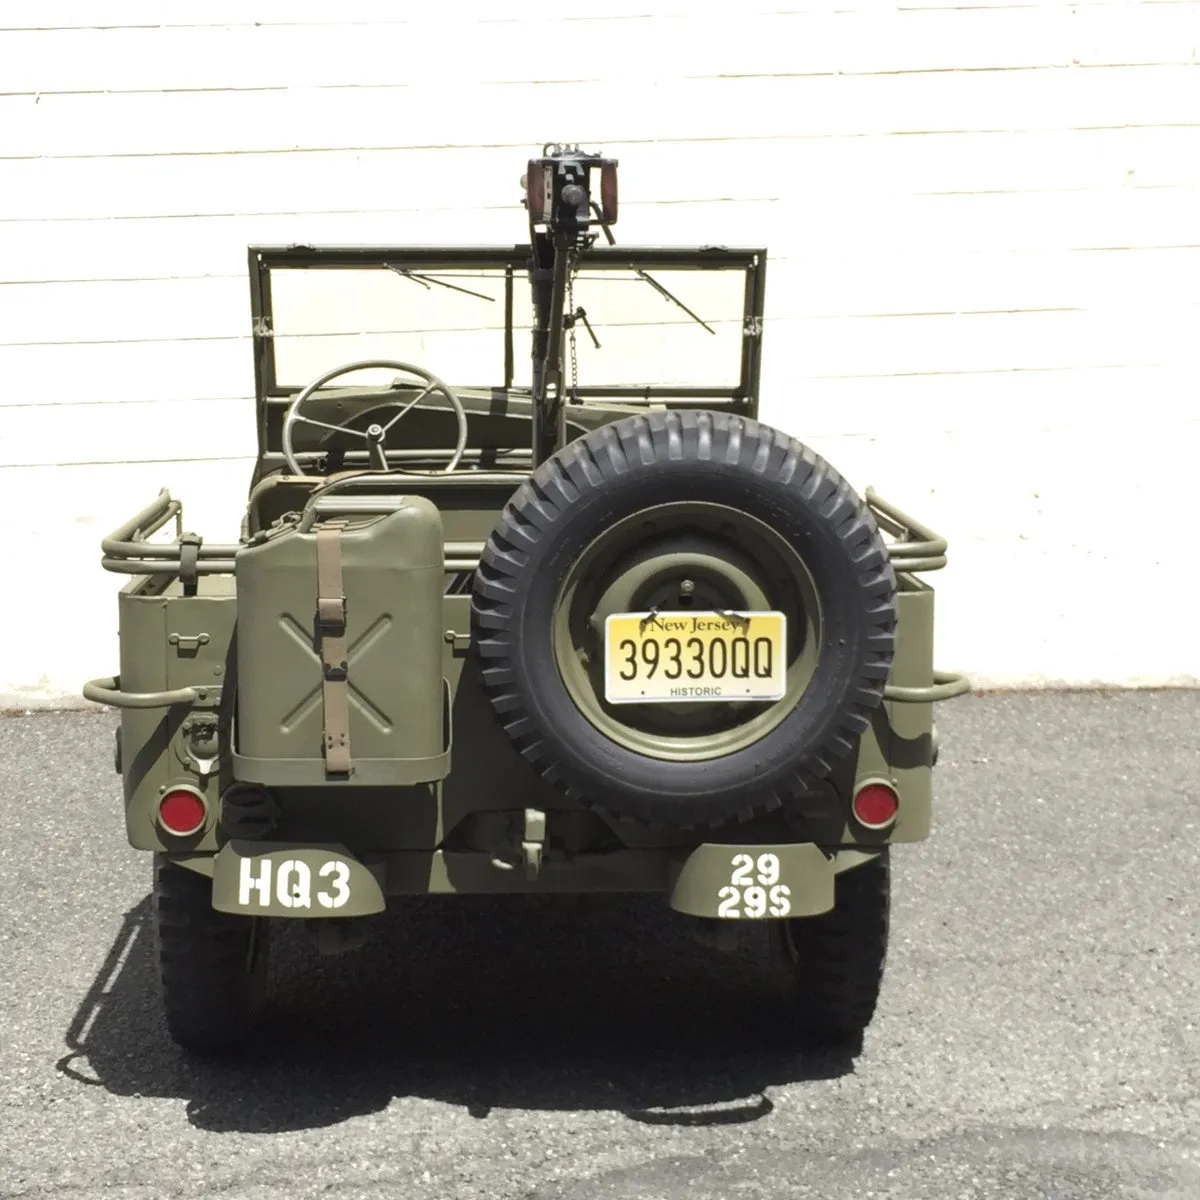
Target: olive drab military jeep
{"type": "Point", "coordinates": [527, 632]}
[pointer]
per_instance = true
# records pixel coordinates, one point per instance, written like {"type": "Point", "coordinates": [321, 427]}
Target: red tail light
{"type": "Point", "coordinates": [876, 805]}
{"type": "Point", "coordinates": [182, 811]}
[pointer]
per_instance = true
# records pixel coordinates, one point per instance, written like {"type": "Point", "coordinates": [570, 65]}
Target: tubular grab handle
{"type": "Point", "coordinates": [150, 520]}
{"type": "Point", "coordinates": [946, 685]}
{"type": "Point", "coordinates": [918, 548]}
{"type": "Point", "coordinates": [107, 690]}
{"type": "Point", "coordinates": [129, 540]}
{"type": "Point", "coordinates": [348, 506]}
{"type": "Point", "coordinates": [165, 565]}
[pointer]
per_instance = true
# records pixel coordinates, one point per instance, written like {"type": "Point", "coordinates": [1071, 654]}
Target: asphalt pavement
{"type": "Point", "coordinates": [1039, 1032]}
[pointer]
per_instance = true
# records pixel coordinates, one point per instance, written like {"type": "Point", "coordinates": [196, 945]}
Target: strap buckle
{"type": "Point", "coordinates": [331, 616]}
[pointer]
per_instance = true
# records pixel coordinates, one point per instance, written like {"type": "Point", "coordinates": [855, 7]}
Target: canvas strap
{"type": "Point", "coordinates": [189, 558]}
{"type": "Point", "coordinates": [331, 631]}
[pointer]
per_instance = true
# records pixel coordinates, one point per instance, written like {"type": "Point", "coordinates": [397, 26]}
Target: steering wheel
{"type": "Point", "coordinates": [375, 435]}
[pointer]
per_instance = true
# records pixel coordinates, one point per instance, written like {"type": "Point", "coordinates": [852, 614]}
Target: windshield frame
{"type": "Point", "coordinates": [739, 397]}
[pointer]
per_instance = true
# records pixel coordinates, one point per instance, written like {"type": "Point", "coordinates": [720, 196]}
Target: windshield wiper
{"type": "Point", "coordinates": [426, 280]}
{"type": "Point", "coordinates": [662, 291]}
{"type": "Point", "coordinates": [658, 287]}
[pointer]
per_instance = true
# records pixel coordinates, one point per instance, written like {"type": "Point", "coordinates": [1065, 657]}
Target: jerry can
{"type": "Point", "coordinates": [339, 653]}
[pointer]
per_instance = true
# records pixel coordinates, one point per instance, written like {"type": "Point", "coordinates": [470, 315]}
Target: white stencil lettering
{"type": "Point", "coordinates": [297, 894]}
{"type": "Point", "coordinates": [341, 884]}
{"type": "Point", "coordinates": [247, 882]}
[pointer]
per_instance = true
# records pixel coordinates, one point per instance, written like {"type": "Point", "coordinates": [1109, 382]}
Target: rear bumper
{"type": "Point", "coordinates": [720, 881]}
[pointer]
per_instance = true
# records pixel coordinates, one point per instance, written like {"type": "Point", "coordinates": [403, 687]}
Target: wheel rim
{"type": "Point", "coordinates": [734, 561]}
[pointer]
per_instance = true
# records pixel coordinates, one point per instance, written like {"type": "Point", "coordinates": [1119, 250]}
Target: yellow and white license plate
{"type": "Point", "coordinates": [674, 657]}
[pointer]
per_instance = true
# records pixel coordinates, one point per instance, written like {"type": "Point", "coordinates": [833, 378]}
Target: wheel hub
{"type": "Point", "coordinates": [683, 557]}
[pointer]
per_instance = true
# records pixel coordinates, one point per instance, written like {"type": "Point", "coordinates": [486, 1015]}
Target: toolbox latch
{"type": "Point", "coordinates": [188, 643]}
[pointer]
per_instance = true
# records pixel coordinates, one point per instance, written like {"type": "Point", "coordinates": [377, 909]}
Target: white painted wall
{"type": "Point", "coordinates": [984, 285]}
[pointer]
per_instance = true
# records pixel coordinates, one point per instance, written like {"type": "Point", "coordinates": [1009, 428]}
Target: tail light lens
{"type": "Point", "coordinates": [182, 811]}
{"type": "Point", "coordinates": [876, 805]}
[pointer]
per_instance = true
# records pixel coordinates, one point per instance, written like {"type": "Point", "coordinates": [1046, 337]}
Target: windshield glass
{"type": "Point", "coordinates": [658, 325]}
{"type": "Point", "coordinates": [450, 322]}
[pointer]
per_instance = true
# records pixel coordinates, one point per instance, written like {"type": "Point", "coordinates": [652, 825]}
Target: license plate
{"type": "Point", "coordinates": [681, 657]}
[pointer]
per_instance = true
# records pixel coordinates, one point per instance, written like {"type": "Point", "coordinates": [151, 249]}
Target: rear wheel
{"type": "Point", "coordinates": [212, 965]}
{"type": "Point", "coordinates": [834, 961]}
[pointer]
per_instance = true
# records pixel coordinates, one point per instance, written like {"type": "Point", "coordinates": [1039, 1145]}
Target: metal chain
{"type": "Point", "coordinates": [572, 268]}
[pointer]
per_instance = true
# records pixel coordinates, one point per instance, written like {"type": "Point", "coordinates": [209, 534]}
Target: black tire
{"type": "Point", "coordinates": [212, 965]}
{"type": "Point", "coordinates": [834, 961]}
{"type": "Point", "coordinates": [662, 458]}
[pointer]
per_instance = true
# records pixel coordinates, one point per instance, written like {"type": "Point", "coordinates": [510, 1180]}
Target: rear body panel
{"type": "Point", "coordinates": [482, 799]}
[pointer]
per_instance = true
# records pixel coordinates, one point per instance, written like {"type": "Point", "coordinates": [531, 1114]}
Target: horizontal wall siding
{"type": "Point", "coordinates": [826, 107]}
{"type": "Point", "coordinates": [983, 288]}
{"type": "Point", "coordinates": [710, 41]}
{"type": "Point", "coordinates": [767, 168]}
{"type": "Point", "coordinates": [815, 227]}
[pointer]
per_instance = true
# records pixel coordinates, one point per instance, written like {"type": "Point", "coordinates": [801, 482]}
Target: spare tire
{"type": "Point", "coordinates": [710, 512]}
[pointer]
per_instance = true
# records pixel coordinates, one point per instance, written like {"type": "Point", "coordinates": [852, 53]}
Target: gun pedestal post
{"type": "Point", "coordinates": [549, 296]}
{"type": "Point", "coordinates": [559, 199]}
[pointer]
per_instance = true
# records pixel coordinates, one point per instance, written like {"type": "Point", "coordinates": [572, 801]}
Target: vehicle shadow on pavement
{"type": "Point", "coordinates": [482, 1002]}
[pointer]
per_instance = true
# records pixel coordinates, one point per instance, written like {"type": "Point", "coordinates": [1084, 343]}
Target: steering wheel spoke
{"type": "Point", "coordinates": [375, 435]}
{"type": "Point", "coordinates": [411, 404]}
{"type": "Point", "coordinates": [301, 420]}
